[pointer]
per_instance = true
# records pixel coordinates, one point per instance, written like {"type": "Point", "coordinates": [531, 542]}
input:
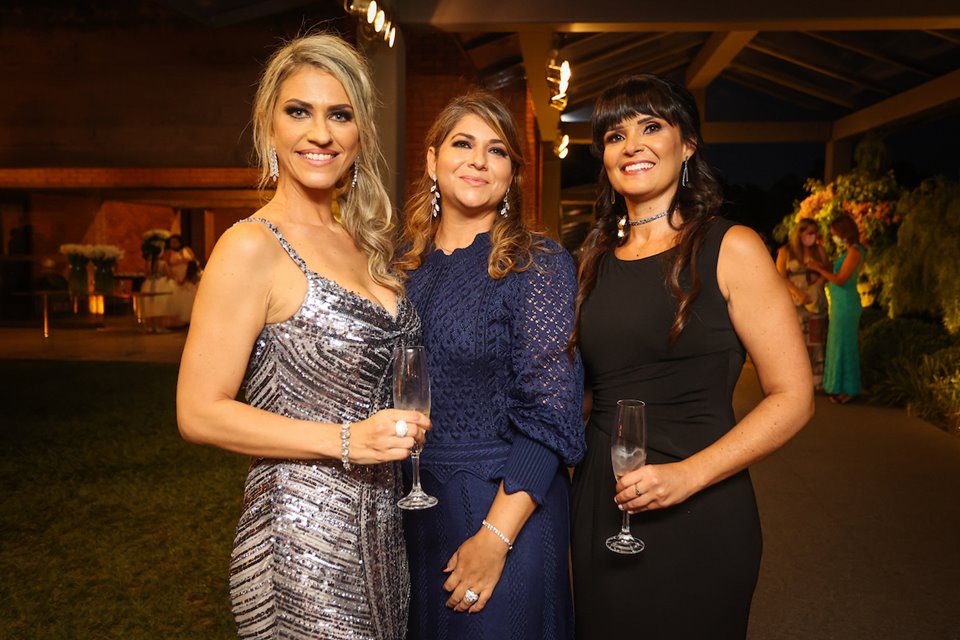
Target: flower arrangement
{"type": "Point", "coordinates": [77, 254]}
{"type": "Point", "coordinates": [154, 242]}
{"type": "Point", "coordinates": [103, 256]}
{"type": "Point", "coordinates": [104, 253]}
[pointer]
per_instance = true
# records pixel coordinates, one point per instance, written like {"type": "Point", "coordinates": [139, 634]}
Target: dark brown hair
{"type": "Point", "coordinates": [651, 95]}
{"type": "Point", "coordinates": [846, 228]}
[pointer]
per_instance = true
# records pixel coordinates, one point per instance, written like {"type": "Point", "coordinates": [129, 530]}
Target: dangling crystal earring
{"type": "Point", "coordinates": [684, 177]}
{"type": "Point", "coordinates": [435, 190]}
{"type": "Point", "coordinates": [622, 227]}
{"type": "Point", "coordinates": [356, 172]}
{"type": "Point", "coordinates": [274, 165]}
{"type": "Point", "coordinates": [505, 209]}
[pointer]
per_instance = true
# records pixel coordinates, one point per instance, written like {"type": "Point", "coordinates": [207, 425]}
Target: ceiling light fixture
{"type": "Point", "coordinates": [562, 146]}
{"type": "Point", "coordinates": [559, 74]}
{"type": "Point", "coordinates": [373, 20]}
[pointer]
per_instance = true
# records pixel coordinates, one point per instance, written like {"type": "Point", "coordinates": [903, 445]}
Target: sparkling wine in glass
{"type": "Point", "coordinates": [411, 390]}
{"type": "Point", "coordinates": [628, 452]}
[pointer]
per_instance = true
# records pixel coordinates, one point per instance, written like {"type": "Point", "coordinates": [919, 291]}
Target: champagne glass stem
{"type": "Point", "coordinates": [625, 527]}
{"type": "Point", "coordinates": [415, 459]}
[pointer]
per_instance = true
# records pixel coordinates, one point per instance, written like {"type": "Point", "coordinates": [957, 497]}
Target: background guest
{"type": "Point", "coordinates": [806, 288]}
{"type": "Point", "coordinates": [841, 376]}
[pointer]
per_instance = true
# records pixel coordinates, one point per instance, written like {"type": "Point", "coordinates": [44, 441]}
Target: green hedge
{"type": "Point", "coordinates": [915, 364]}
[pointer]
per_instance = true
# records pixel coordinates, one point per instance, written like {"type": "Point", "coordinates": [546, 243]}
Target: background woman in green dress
{"type": "Point", "coordinates": [841, 375]}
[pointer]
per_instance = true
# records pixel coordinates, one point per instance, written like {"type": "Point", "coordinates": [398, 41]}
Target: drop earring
{"type": "Point", "coordinates": [684, 176]}
{"type": "Point", "coordinates": [356, 173]}
{"type": "Point", "coordinates": [274, 164]}
{"type": "Point", "coordinates": [435, 190]}
{"type": "Point", "coordinates": [622, 227]}
{"type": "Point", "coordinates": [505, 209]}
{"type": "Point", "coordinates": [613, 196]}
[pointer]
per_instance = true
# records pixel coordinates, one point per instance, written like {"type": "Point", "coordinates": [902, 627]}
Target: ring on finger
{"type": "Point", "coordinates": [470, 597]}
{"type": "Point", "coordinates": [636, 489]}
{"type": "Point", "coordinates": [401, 428]}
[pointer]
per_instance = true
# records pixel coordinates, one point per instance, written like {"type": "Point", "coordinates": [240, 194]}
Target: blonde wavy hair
{"type": "Point", "coordinates": [365, 210]}
{"type": "Point", "coordinates": [513, 244]}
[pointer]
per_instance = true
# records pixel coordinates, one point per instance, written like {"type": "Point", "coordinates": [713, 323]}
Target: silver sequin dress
{"type": "Point", "coordinates": [319, 551]}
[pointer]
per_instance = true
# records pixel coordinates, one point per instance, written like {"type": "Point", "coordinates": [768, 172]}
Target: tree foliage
{"type": "Point", "coordinates": [922, 272]}
{"type": "Point", "coordinates": [868, 194]}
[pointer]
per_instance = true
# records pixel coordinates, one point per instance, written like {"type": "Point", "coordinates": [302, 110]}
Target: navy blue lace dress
{"type": "Point", "coordinates": [506, 406]}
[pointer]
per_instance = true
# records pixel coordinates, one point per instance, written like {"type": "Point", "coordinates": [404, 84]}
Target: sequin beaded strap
{"type": "Point", "coordinates": [282, 240]}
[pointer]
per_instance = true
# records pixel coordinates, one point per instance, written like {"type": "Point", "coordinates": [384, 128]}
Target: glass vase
{"type": "Point", "coordinates": [103, 278]}
{"type": "Point", "coordinates": [77, 280]}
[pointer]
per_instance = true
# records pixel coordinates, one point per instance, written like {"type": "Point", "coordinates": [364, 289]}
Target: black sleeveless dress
{"type": "Point", "coordinates": [696, 577]}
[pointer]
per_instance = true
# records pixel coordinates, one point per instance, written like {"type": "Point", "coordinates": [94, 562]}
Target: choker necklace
{"type": "Point", "coordinates": [623, 222]}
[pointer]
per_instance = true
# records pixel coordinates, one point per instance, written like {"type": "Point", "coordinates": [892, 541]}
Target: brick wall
{"type": "Point", "coordinates": [438, 71]}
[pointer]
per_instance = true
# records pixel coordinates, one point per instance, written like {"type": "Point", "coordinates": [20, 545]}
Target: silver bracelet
{"type": "Point", "coordinates": [499, 534]}
{"type": "Point", "coordinates": [345, 445]}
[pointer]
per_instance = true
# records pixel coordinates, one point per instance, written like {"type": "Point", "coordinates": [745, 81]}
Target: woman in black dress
{"type": "Point", "coordinates": [672, 300]}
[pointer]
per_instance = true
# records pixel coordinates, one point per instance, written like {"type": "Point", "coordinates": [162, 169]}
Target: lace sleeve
{"type": "Point", "coordinates": [546, 397]}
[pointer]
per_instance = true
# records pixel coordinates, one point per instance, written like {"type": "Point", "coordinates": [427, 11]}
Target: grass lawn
{"type": "Point", "coordinates": [111, 526]}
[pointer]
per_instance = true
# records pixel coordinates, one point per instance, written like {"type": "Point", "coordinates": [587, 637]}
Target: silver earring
{"type": "Point", "coordinates": [274, 165]}
{"type": "Point", "coordinates": [505, 209]}
{"type": "Point", "coordinates": [684, 176]}
{"type": "Point", "coordinates": [435, 190]}
{"type": "Point", "coordinates": [613, 196]}
{"type": "Point", "coordinates": [356, 173]}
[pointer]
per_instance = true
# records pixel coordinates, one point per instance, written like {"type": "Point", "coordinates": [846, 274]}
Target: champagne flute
{"type": "Point", "coordinates": [628, 452]}
{"type": "Point", "coordinates": [411, 390]}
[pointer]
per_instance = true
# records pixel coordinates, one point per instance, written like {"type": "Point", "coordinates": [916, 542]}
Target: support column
{"type": "Point", "coordinates": [839, 155]}
{"type": "Point", "coordinates": [388, 66]}
{"type": "Point", "coordinates": [550, 190]}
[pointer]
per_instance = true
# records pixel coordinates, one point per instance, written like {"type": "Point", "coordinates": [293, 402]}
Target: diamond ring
{"type": "Point", "coordinates": [470, 597]}
{"type": "Point", "coordinates": [401, 428]}
{"type": "Point", "coordinates": [636, 488]}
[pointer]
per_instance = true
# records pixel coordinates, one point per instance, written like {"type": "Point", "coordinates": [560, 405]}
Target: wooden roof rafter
{"type": "Point", "coordinates": [645, 64]}
{"type": "Point", "coordinates": [867, 53]}
{"type": "Point", "coordinates": [795, 85]}
{"type": "Point", "coordinates": [583, 99]}
{"type": "Point", "coordinates": [617, 51]}
{"type": "Point", "coordinates": [774, 91]}
{"type": "Point", "coordinates": [768, 50]}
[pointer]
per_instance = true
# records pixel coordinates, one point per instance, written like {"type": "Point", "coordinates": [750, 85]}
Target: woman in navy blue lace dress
{"type": "Point", "coordinates": [497, 305]}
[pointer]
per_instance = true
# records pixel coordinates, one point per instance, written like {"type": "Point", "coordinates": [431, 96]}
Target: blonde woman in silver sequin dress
{"type": "Point", "coordinates": [300, 310]}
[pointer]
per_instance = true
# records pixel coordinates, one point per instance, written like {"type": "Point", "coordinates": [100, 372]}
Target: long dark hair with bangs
{"type": "Point", "coordinates": [651, 95]}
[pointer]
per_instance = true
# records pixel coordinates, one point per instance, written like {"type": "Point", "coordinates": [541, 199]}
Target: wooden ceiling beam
{"type": "Point", "coordinates": [485, 39]}
{"type": "Point", "coordinates": [803, 64]}
{"type": "Point", "coordinates": [764, 132]}
{"type": "Point", "coordinates": [733, 132]}
{"type": "Point", "coordinates": [127, 178]}
{"type": "Point", "coordinates": [584, 98]}
{"type": "Point", "coordinates": [718, 52]}
{"type": "Point", "coordinates": [795, 85]}
{"type": "Point", "coordinates": [576, 16]}
{"type": "Point", "coordinates": [643, 65]}
{"type": "Point", "coordinates": [935, 94]}
{"type": "Point", "coordinates": [618, 51]}
{"type": "Point", "coordinates": [849, 46]}
{"type": "Point", "coordinates": [774, 91]}
{"type": "Point", "coordinates": [942, 36]}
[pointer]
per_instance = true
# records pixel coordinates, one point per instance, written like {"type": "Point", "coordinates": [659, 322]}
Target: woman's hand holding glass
{"type": "Point", "coordinates": [377, 440]}
{"type": "Point", "coordinates": [655, 486]}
